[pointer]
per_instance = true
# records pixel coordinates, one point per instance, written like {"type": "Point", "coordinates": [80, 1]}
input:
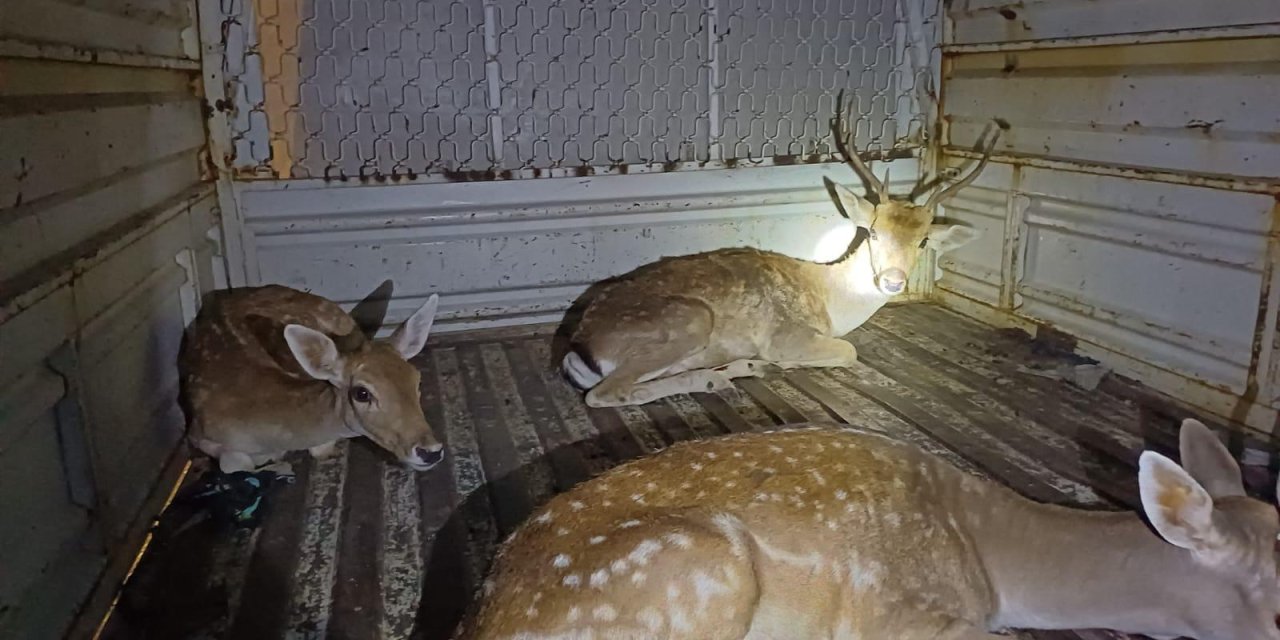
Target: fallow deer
{"type": "Point", "coordinates": [834, 533]}
{"type": "Point", "coordinates": [692, 323]}
{"type": "Point", "coordinates": [268, 370]}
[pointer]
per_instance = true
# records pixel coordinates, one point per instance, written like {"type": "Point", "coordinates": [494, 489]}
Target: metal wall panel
{"type": "Point", "coordinates": [1135, 188]}
{"type": "Point", "coordinates": [982, 21]}
{"type": "Point", "coordinates": [514, 251]}
{"type": "Point", "coordinates": [103, 255]}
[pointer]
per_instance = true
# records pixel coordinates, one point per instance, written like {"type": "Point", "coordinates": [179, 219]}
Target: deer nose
{"type": "Point", "coordinates": [893, 280]}
{"type": "Point", "coordinates": [429, 456]}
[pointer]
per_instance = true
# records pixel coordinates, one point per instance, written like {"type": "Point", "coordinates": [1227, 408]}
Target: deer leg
{"type": "Point", "coordinates": [623, 385]}
{"type": "Point", "coordinates": [234, 461]}
{"type": "Point", "coordinates": [795, 347]}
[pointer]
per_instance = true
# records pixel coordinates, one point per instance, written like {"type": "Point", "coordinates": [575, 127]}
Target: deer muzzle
{"type": "Point", "coordinates": [892, 281]}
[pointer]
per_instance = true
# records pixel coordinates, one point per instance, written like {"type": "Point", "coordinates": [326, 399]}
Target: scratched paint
{"type": "Point", "coordinates": [401, 555]}
{"type": "Point", "coordinates": [310, 605]}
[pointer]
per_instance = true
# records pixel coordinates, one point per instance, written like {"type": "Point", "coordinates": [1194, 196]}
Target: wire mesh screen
{"type": "Point", "coordinates": [375, 88]}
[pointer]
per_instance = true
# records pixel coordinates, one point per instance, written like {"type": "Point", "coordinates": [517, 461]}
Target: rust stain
{"type": "Point", "coordinates": [278, 24]}
{"type": "Point", "coordinates": [1203, 125]}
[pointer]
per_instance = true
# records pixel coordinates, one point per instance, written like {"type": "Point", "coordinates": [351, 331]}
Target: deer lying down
{"type": "Point", "coordinates": [269, 370]}
{"type": "Point", "coordinates": [829, 533]}
{"type": "Point", "coordinates": [692, 323]}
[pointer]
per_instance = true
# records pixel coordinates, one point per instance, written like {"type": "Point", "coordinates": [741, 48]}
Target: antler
{"type": "Point", "coordinates": [987, 134]}
{"type": "Point", "coordinates": [842, 139]}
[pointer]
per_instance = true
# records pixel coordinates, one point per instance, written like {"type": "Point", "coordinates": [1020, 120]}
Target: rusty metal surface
{"type": "Point", "coordinates": [359, 548]}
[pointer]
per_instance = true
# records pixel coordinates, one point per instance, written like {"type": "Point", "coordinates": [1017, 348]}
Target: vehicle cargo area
{"type": "Point", "coordinates": [640, 319]}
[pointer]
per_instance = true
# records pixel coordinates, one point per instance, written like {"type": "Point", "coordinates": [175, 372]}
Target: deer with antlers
{"type": "Point", "coordinates": [833, 532]}
{"type": "Point", "coordinates": [693, 323]}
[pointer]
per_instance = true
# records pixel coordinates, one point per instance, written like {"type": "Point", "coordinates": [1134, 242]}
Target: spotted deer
{"type": "Point", "coordinates": [828, 532]}
{"type": "Point", "coordinates": [693, 323]}
{"type": "Point", "coordinates": [269, 370]}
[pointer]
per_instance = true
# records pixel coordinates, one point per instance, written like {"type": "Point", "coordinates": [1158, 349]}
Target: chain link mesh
{"type": "Point", "coordinates": [377, 88]}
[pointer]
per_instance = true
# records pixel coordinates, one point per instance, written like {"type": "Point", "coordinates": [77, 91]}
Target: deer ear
{"type": "Point", "coordinates": [411, 337]}
{"type": "Point", "coordinates": [1208, 460]}
{"type": "Point", "coordinates": [851, 205]}
{"type": "Point", "coordinates": [947, 237]}
{"type": "Point", "coordinates": [1178, 507]}
{"type": "Point", "coordinates": [371, 311]}
{"type": "Point", "coordinates": [315, 351]}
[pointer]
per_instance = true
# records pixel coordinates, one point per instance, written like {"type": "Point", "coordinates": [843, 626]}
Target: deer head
{"type": "Point", "coordinates": [375, 387]}
{"type": "Point", "coordinates": [1201, 507]}
{"type": "Point", "coordinates": [898, 228]}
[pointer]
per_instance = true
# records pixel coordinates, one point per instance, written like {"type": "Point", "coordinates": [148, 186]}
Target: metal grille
{"type": "Point", "coordinates": [378, 88]}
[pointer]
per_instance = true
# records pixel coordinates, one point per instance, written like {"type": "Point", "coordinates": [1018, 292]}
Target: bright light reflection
{"type": "Point", "coordinates": [834, 242]}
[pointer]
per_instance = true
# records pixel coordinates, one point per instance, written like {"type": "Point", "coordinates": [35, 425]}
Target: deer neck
{"type": "Point", "coordinates": [1053, 567]}
{"type": "Point", "coordinates": [852, 295]}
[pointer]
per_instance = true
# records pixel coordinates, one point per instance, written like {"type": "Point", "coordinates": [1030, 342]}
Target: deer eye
{"type": "Point", "coordinates": [361, 395]}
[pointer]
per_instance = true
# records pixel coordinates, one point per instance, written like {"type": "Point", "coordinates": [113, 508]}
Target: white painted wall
{"type": "Point", "coordinates": [518, 251]}
{"type": "Point", "coordinates": [1135, 190]}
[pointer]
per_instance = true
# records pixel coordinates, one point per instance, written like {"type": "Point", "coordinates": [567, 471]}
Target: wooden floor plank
{"type": "Point", "coordinates": [567, 455]}
{"type": "Point", "coordinates": [530, 454]}
{"type": "Point", "coordinates": [778, 409]}
{"type": "Point", "coordinates": [509, 482]}
{"type": "Point", "coordinates": [729, 419]}
{"type": "Point", "coordinates": [945, 424]}
{"type": "Point", "coordinates": [1017, 429]}
{"type": "Point", "coordinates": [357, 609]}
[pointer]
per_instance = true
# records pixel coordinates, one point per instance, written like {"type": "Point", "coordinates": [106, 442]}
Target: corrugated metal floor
{"type": "Point", "coordinates": [345, 551]}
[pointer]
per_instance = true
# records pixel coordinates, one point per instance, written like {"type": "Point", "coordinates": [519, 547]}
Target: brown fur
{"type": "Point", "coordinates": [835, 533]}
{"type": "Point", "coordinates": [249, 399]}
{"type": "Point", "coordinates": [693, 323]}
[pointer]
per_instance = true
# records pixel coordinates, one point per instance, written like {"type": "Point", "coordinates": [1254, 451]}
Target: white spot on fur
{"type": "Point", "coordinates": [737, 454]}
{"type": "Point", "coordinates": [544, 518]}
{"type": "Point", "coordinates": [597, 539]}
{"type": "Point", "coordinates": [651, 618]}
{"type": "Point", "coordinates": [696, 466]}
{"type": "Point", "coordinates": [572, 580]}
{"type": "Point", "coordinates": [629, 524]}
{"type": "Point", "coordinates": [637, 498]}
{"type": "Point", "coordinates": [707, 587]}
{"type": "Point", "coordinates": [711, 455]}
{"type": "Point", "coordinates": [866, 575]}
{"type": "Point", "coordinates": [619, 566]}
{"type": "Point", "coordinates": [561, 561]}
{"type": "Point", "coordinates": [731, 528]}
{"type": "Point", "coordinates": [575, 614]}
{"type": "Point", "coordinates": [893, 519]}
{"type": "Point", "coordinates": [643, 551]}
{"type": "Point", "coordinates": [562, 532]}
{"type": "Point", "coordinates": [679, 539]}
{"type": "Point", "coordinates": [651, 486]}
{"type": "Point", "coordinates": [842, 495]}
{"type": "Point", "coordinates": [673, 592]}
{"type": "Point", "coordinates": [638, 578]}
{"type": "Point", "coordinates": [577, 505]}
{"type": "Point", "coordinates": [599, 579]}
{"type": "Point", "coordinates": [604, 613]}
{"type": "Point", "coordinates": [531, 612]}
